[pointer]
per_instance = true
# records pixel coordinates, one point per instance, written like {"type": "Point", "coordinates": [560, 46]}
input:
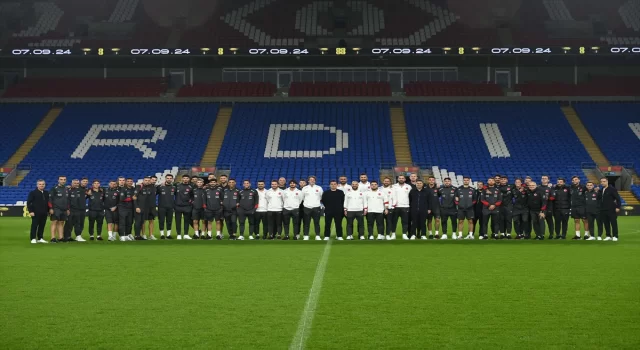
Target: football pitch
{"type": "Point", "coordinates": [319, 295]}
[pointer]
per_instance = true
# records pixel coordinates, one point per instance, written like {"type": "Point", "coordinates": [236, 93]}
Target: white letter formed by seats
{"type": "Point", "coordinates": [92, 140]}
{"type": "Point", "coordinates": [273, 141]}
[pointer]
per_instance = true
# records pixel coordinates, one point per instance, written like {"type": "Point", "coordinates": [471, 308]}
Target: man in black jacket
{"type": "Point", "coordinates": [141, 202]}
{"type": "Point", "coordinates": [466, 198]}
{"type": "Point", "coordinates": [166, 197]}
{"type": "Point", "coordinates": [96, 209]}
{"type": "Point", "coordinates": [520, 210]}
{"type": "Point", "coordinates": [420, 200]}
{"type": "Point", "coordinates": [610, 202]}
{"type": "Point", "coordinates": [247, 208]}
{"type": "Point", "coordinates": [506, 209]}
{"type": "Point", "coordinates": [59, 208]}
{"type": "Point", "coordinates": [37, 204]}
{"type": "Point", "coordinates": [562, 206]}
{"type": "Point", "coordinates": [578, 202]}
{"type": "Point", "coordinates": [592, 209]}
{"type": "Point", "coordinates": [183, 207]}
{"type": "Point", "coordinates": [491, 199]}
{"type": "Point", "coordinates": [448, 208]}
{"type": "Point", "coordinates": [125, 209]}
{"type": "Point", "coordinates": [230, 204]}
{"type": "Point", "coordinates": [111, 198]}
{"type": "Point", "coordinates": [537, 203]}
{"type": "Point", "coordinates": [333, 201]}
{"type": "Point", "coordinates": [77, 207]}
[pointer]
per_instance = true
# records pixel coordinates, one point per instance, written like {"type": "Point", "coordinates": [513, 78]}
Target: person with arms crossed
{"type": "Point", "coordinates": [275, 205]}
{"type": "Point", "coordinates": [578, 203]}
{"type": "Point", "coordinates": [465, 199]}
{"type": "Point", "coordinates": [448, 208]}
{"type": "Point", "coordinates": [420, 200]}
{"type": "Point", "coordinates": [230, 206]}
{"type": "Point", "coordinates": [491, 200]}
{"type": "Point", "coordinates": [311, 195]}
{"type": "Point", "coordinates": [111, 198]}
{"type": "Point", "coordinates": [96, 209]}
{"type": "Point", "coordinates": [402, 207]}
{"type": "Point", "coordinates": [355, 207]}
{"type": "Point", "coordinates": [333, 201]}
{"type": "Point", "coordinates": [377, 202]}
{"type": "Point", "coordinates": [609, 208]}
{"type": "Point", "coordinates": [166, 201]}
{"type": "Point", "coordinates": [247, 208]}
{"type": "Point", "coordinates": [292, 199]}
{"type": "Point", "coordinates": [38, 205]}
{"type": "Point", "coordinates": [261, 212]}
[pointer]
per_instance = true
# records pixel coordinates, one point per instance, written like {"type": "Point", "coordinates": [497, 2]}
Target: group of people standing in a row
{"type": "Point", "coordinates": [286, 209]}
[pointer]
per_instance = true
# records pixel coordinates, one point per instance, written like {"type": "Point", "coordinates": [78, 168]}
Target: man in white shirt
{"type": "Point", "coordinates": [389, 191]}
{"type": "Point", "coordinates": [261, 212]}
{"type": "Point", "coordinates": [343, 185]}
{"type": "Point", "coordinates": [292, 199]}
{"type": "Point", "coordinates": [364, 184]}
{"type": "Point", "coordinates": [355, 207]}
{"type": "Point", "coordinates": [401, 209]}
{"type": "Point", "coordinates": [275, 204]}
{"type": "Point", "coordinates": [312, 195]}
{"type": "Point", "coordinates": [376, 209]}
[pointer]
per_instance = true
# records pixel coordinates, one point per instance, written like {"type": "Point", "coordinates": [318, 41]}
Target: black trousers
{"type": "Point", "coordinates": [521, 222]}
{"type": "Point", "coordinates": [335, 217]}
{"type": "Point", "coordinates": [243, 216]}
{"type": "Point", "coordinates": [140, 219]}
{"type": "Point", "coordinates": [311, 214]}
{"type": "Point", "coordinates": [410, 220]}
{"type": "Point", "coordinates": [260, 217]}
{"type": "Point", "coordinates": [401, 213]}
{"type": "Point", "coordinates": [38, 222]}
{"type": "Point", "coordinates": [358, 216]}
{"type": "Point", "coordinates": [561, 217]}
{"type": "Point", "coordinates": [537, 224]}
{"type": "Point", "coordinates": [287, 217]}
{"type": "Point", "coordinates": [419, 224]}
{"type": "Point", "coordinates": [183, 213]}
{"type": "Point", "coordinates": [165, 215]}
{"type": "Point", "coordinates": [608, 219]}
{"type": "Point", "coordinates": [548, 217]}
{"type": "Point", "coordinates": [591, 220]}
{"type": "Point", "coordinates": [494, 216]}
{"type": "Point", "coordinates": [231, 219]}
{"type": "Point", "coordinates": [96, 218]}
{"type": "Point", "coordinates": [125, 221]}
{"type": "Point", "coordinates": [388, 220]}
{"type": "Point", "coordinates": [449, 214]}
{"type": "Point", "coordinates": [74, 223]}
{"type": "Point", "coordinates": [506, 218]}
{"type": "Point", "coordinates": [477, 221]}
{"type": "Point", "coordinates": [378, 219]}
{"type": "Point", "coordinates": [274, 220]}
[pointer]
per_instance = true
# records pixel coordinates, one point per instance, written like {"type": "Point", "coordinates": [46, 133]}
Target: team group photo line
{"type": "Point", "coordinates": [208, 205]}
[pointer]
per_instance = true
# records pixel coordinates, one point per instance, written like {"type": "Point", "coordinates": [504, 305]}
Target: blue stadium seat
{"type": "Point", "coordinates": [295, 140]}
{"type": "Point", "coordinates": [18, 121]}
{"type": "Point", "coordinates": [538, 138]}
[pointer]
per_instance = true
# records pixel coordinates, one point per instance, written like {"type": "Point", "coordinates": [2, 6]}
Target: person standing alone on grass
{"type": "Point", "coordinates": [609, 208]}
{"type": "Point", "coordinates": [37, 204]}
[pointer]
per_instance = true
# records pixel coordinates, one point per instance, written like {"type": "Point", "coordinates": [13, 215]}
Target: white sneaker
{"type": "Point", "coordinates": [454, 237]}
{"type": "Point", "coordinates": [460, 236]}
{"type": "Point", "coordinates": [444, 236]}
{"type": "Point", "coordinates": [371, 238]}
{"type": "Point", "coordinates": [591, 238]}
{"type": "Point", "coordinates": [362, 238]}
{"type": "Point", "coordinates": [33, 241]}
{"type": "Point", "coordinates": [42, 241]}
{"type": "Point", "coordinates": [423, 238]}
{"type": "Point", "coordinates": [599, 238]}
{"type": "Point", "coordinates": [615, 239]}
{"type": "Point", "coordinates": [349, 238]}
{"type": "Point", "coordinates": [481, 237]}
{"type": "Point", "coordinates": [388, 237]}
{"type": "Point", "coordinates": [153, 238]}
{"type": "Point", "coordinates": [393, 236]}
{"type": "Point", "coordinates": [608, 239]}
{"type": "Point", "coordinates": [80, 239]}
{"type": "Point", "coordinates": [413, 238]}
{"type": "Point", "coordinates": [130, 238]}
{"type": "Point", "coordinates": [404, 236]}
{"type": "Point", "coordinates": [340, 239]}
{"type": "Point", "coordinates": [186, 237]}
{"type": "Point", "coordinates": [306, 238]}
{"type": "Point", "coordinates": [327, 238]}
{"type": "Point", "coordinates": [297, 237]}
{"type": "Point", "coordinates": [123, 239]}
{"type": "Point", "coordinates": [318, 238]}
{"type": "Point", "coordinates": [251, 237]}
{"type": "Point", "coordinates": [179, 237]}
{"type": "Point", "coordinates": [241, 238]}
{"type": "Point", "coordinates": [380, 237]}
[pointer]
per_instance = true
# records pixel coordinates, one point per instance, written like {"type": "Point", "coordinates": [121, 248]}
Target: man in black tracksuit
{"type": "Point", "coordinates": [333, 201]}
{"type": "Point", "coordinates": [550, 194]}
{"type": "Point", "coordinates": [609, 208]}
{"type": "Point", "coordinates": [197, 214]}
{"type": "Point", "coordinates": [111, 198]}
{"type": "Point", "coordinates": [562, 206]}
{"type": "Point", "coordinates": [213, 209]}
{"type": "Point", "coordinates": [520, 210]}
{"type": "Point", "coordinates": [578, 203]}
{"type": "Point", "coordinates": [301, 184]}
{"type": "Point", "coordinates": [183, 207]}
{"type": "Point", "coordinates": [448, 209]}
{"type": "Point", "coordinates": [591, 211]}
{"type": "Point", "coordinates": [434, 207]}
{"type": "Point", "coordinates": [491, 199]}
{"type": "Point", "coordinates": [247, 207]}
{"type": "Point", "coordinates": [77, 206]}
{"type": "Point", "coordinates": [125, 210]}
{"type": "Point", "coordinates": [141, 205]}
{"type": "Point", "coordinates": [465, 200]}
{"type": "Point", "coordinates": [37, 205]}
{"type": "Point", "coordinates": [477, 218]}
{"type": "Point", "coordinates": [537, 204]}
{"type": "Point", "coordinates": [506, 209]}
{"type": "Point", "coordinates": [59, 209]}
{"type": "Point", "coordinates": [420, 200]}
{"type": "Point", "coordinates": [230, 205]}
{"type": "Point", "coordinates": [96, 209]}
{"type": "Point", "coordinates": [166, 201]}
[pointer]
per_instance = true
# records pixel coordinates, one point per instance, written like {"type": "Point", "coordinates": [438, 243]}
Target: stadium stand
{"type": "Point", "coordinates": [18, 121]}
{"type": "Point", "coordinates": [228, 89]}
{"type": "Point", "coordinates": [340, 89]}
{"type": "Point", "coordinates": [448, 138]}
{"type": "Point", "coordinates": [88, 87]}
{"type": "Point", "coordinates": [99, 141]}
{"type": "Point", "coordinates": [597, 86]}
{"type": "Point", "coordinates": [302, 139]}
{"type": "Point", "coordinates": [452, 89]}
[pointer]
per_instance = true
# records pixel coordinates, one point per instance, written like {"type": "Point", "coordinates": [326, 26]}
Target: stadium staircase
{"type": "Point", "coordinates": [400, 138]}
{"type": "Point", "coordinates": [216, 137]}
{"type": "Point", "coordinates": [585, 137]}
{"type": "Point", "coordinates": [30, 142]}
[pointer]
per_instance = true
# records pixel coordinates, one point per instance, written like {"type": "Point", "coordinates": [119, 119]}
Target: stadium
{"type": "Point", "coordinates": [118, 114]}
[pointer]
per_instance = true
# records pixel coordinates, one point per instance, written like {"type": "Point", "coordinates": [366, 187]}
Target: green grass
{"type": "Point", "coordinates": [417, 294]}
